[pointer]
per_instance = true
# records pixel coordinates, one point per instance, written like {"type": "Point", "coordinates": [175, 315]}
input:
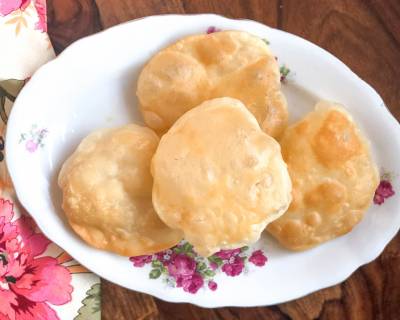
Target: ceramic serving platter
{"type": "Point", "coordinates": [92, 85]}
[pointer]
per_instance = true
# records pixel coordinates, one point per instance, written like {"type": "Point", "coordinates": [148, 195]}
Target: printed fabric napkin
{"type": "Point", "coordinates": [38, 280]}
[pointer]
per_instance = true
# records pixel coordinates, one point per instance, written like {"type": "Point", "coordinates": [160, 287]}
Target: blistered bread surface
{"type": "Point", "coordinates": [107, 185]}
{"type": "Point", "coordinates": [334, 178]}
{"type": "Point", "coordinates": [229, 63]}
{"type": "Point", "coordinates": [218, 177]}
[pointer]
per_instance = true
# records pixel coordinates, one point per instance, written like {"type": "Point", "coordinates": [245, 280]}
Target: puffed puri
{"type": "Point", "coordinates": [218, 177]}
{"type": "Point", "coordinates": [334, 178]}
{"type": "Point", "coordinates": [200, 67]}
{"type": "Point", "coordinates": [107, 185]}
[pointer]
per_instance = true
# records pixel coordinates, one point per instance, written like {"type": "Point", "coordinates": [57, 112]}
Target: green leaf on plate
{"type": "Point", "coordinates": [177, 250]}
{"type": "Point", "coordinates": [187, 247]}
{"type": "Point", "coordinates": [209, 273]}
{"type": "Point", "coordinates": [155, 273]}
{"type": "Point", "coordinates": [284, 71]}
{"type": "Point", "coordinates": [265, 40]}
{"type": "Point", "coordinates": [216, 260]}
{"type": "Point", "coordinates": [201, 266]}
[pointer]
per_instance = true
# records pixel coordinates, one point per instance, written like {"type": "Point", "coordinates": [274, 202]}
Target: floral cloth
{"type": "Point", "coordinates": [38, 280]}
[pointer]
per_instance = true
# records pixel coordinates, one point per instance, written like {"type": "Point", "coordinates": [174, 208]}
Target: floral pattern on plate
{"type": "Point", "coordinates": [181, 267]}
{"type": "Point", "coordinates": [34, 138]}
{"type": "Point", "coordinates": [384, 189]}
{"type": "Point", "coordinates": [284, 71]}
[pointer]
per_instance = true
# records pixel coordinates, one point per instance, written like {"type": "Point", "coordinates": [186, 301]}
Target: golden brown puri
{"type": "Point", "coordinates": [334, 178]}
{"type": "Point", "coordinates": [222, 64]}
{"type": "Point", "coordinates": [218, 177]}
{"type": "Point", "coordinates": [106, 186]}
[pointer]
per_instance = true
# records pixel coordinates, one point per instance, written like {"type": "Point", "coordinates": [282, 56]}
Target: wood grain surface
{"type": "Point", "coordinates": [365, 34]}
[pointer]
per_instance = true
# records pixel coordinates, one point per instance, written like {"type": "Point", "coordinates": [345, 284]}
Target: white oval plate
{"type": "Point", "coordinates": [92, 85]}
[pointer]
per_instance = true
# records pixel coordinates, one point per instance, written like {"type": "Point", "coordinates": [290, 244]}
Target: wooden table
{"type": "Point", "coordinates": [365, 34]}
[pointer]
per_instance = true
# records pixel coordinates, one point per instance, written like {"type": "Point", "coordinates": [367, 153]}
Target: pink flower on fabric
{"type": "Point", "coordinates": [6, 210]}
{"type": "Point", "coordinates": [384, 191]}
{"type": "Point", "coordinates": [227, 254]}
{"type": "Point", "coordinates": [40, 6]}
{"type": "Point", "coordinates": [28, 283]}
{"type": "Point", "coordinates": [140, 261]}
{"type": "Point", "coordinates": [35, 243]}
{"type": "Point", "coordinates": [212, 285]}
{"type": "Point", "coordinates": [193, 283]}
{"type": "Point", "coordinates": [31, 146]}
{"type": "Point", "coordinates": [8, 6]}
{"type": "Point", "coordinates": [31, 284]}
{"type": "Point", "coordinates": [258, 258]}
{"type": "Point", "coordinates": [234, 266]}
{"type": "Point", "coordinates": [8, 231]}
{"type": "Point", "coordinates": [181, 266]}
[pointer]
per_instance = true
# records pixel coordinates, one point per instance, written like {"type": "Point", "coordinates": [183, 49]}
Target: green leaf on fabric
{"type": "Point", "coordinates": [3, 114]}
{"type": "Point", "coordinates": [3, 258]}
{"type": "Point", "coordinates": [91, 309]}
{"type": "Point", "coordinates": [10, 279]}
{"type": "Point", "coordinates": [9, 89]}
{"type": "Point", "coordinates": [12, 87]}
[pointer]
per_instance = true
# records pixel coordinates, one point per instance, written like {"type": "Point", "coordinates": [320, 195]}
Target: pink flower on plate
{"type": "Point", "coordinates": [213, 266]}
{"type": "Point", "coordinates": [181, 266]}
{"type": "Point", "coordinates": [165, 256]}
{"type": "Point", "coordinates": [140, 261]}
{"type": "Point", "coordinates": [234, 266]}
{"type": "Point", "coordinates": [258, 258]}
{"type": "Point", "coordinates": [8, 6]}
{"type": "Point", "coordinates": [40, 6]}
{"type": "Point", "coordinates": [31, 146]}
{"type": "Point", "coordinates": [193, 283]}
{"type": "Point", "coordinates": [228, 253]}
{"type": "Point", "coordinates": [212, 285]}
{"type": "Point", "coordinates": [33, 139]}
{"type": "Point", "coordinates": [384, 191]}
{"type": "Point", "coordinates": [212, 29]}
